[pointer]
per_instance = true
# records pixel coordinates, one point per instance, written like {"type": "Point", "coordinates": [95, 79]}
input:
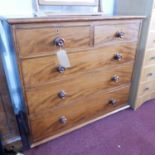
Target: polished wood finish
{"type": "Point", "coordinates": [34, 70]}
{"type": "Point", "coordinates": [148, 73]}
{"type": "Point", "coordinates": [112, 33]}
{"type": "Point", "coordinates": [46, 98]}
{"type": "Point", "coordinates": [146, 84]}
{"type": "Point", "coordinates": [41, 40]}
{"type": "Point", "coordinates": [77, 113]}
{"type": "Point", "coordinates": [101, 52]}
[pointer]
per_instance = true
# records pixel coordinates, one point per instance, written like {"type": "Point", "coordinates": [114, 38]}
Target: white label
{"type": "Point", "coordinates": [63, 58]}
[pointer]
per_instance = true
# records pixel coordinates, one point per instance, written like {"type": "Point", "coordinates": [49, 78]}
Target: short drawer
{"type": "Point", "coordinates": [151, 40]}
{"type": "Point", "coordinates": [148, 73]}
{"type": "Point", "coordinates": [115, 33]}
{"type": "Point", "coordinates": [146, 88]}
{"type": "Point", "coordinates": [36, 41]}
{"type": "Point", "coordinates": [65, 92]}
{"type": "Point", "coordinates": [149, 57]}
{"type": "Point", "coordinates": [59, 121]}
{"type": "Point", "coordinates": [42, 70]}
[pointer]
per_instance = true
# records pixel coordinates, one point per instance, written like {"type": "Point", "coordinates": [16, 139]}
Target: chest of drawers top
{"type": "Point", "coordinates": [35, 37]}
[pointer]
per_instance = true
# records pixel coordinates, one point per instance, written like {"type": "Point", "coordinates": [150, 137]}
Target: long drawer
{"type": "Point", "coordinates": [42, 70]}
{"type": "Point", "coordinates": [61, 120]}
{"type": "Point", "coordinates": [67, 91]}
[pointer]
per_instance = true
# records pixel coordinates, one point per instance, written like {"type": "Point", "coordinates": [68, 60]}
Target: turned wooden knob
{"type": "Point", "coordinates": [118, 57]}
{"type": "Point", "coordinates": [115, 78]}
{"type": "Point", "coordinates": [59, 42]}
{"type": "Point", "coordinates": [61, 94]}
{"type": "Point", "coordinates": [119, 34]}
{"type": "Point", "coordinates": [63, 120]}
{"type": "Point", "coordinates": [61, 69]}
{"type": "Point", "coordinates": [113, 101]}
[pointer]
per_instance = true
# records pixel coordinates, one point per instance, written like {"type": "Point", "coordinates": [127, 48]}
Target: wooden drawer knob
{"type": "Point", "coordinates": [59, 42]}
{"type": "Point", "coordinates": [113, 101]}
{"type": "Point", "coordinates": [115, 78]}
{"type": "Point", "coordinates": [118, 57]}
{"type": "Point", "coordinates": [63, 120]}
{"type": "Point", "coordinates": [61, 69]}
{"type": "Point", "coordinates": [119, 34]}
{"type": "Point", "coordinates": [61, 94]}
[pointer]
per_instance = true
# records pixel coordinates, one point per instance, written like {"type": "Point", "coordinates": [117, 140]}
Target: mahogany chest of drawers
{"type": "Point", "coordinates": [101, 51]}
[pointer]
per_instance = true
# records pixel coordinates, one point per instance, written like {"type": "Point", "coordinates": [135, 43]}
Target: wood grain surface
{"type": "Point", "coordinates": [44, 98]}
{"type": "Point", "coordinates": [148, 73]}
{"type": "Point", "coordinates": [79, 112]}
{"type": "Point", "coordinates": [149, 57]}
{"type": "Point", "coordinates": [42, 70]}
{"type": "Point", "coordinates": [41, 40]}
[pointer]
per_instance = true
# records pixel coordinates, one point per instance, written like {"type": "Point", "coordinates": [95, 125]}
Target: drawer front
{"type": "Point", "coordinates": [34, 41]}
{"type": "Point", "coordinates": [144, 98]}
{"type": "Point", "coordinates": [149, 57]}
{"type": "Point", "coordinates": [105, 34]}
{"type": "Point", "coordinates": [148, 73]}
{"type": "Point", "coordinates": [68, 91]}
{"type": "Point", "coordinates": [146, 88]}
{"type": "Point", "coordinates": [43, 70]}
{"type": "Point", "coordinates": [58, 121]}
{"type": "Point", "coordinates": [141, 100]}
{"type": "Point", "coordinates": [151, 40]}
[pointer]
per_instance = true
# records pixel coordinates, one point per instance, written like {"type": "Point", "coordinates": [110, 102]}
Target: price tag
{"type": "Point", "coordinates": [63, 58]}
